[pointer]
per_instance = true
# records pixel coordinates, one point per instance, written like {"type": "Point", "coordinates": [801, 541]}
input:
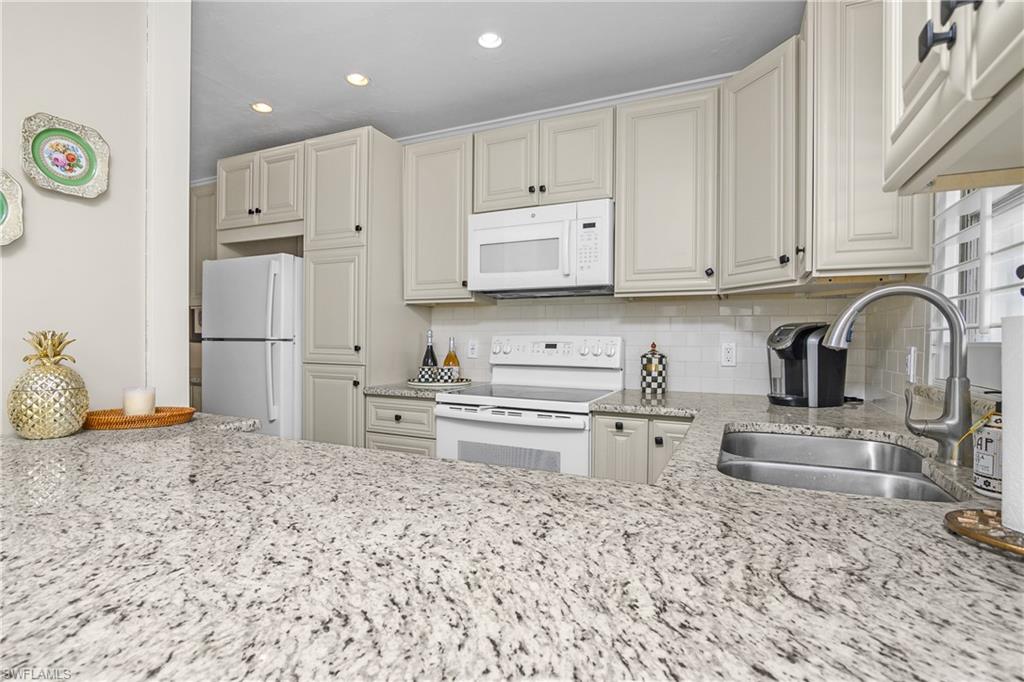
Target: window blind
{"type": "Point", "coordinates": [978, 245]}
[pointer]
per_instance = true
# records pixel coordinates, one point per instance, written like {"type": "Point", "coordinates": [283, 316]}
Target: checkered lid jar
{"type": "Point", "coordinates": [653, 371]}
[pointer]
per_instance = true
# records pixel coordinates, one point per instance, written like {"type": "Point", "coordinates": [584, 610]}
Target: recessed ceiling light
{"type": "Point", "coordinates": [357, 79]}
{"type": "Point", "coordinates": [261, 107]}
{"type": "Point", "coordinates": [489, 40]}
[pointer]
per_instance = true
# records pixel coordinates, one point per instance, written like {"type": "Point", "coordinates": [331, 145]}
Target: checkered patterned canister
{"type": "Point", "coordinates": [653, 371]}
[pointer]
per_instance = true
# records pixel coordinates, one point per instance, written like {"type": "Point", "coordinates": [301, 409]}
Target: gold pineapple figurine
{"type": "Point", "coordinates": [49, 399]}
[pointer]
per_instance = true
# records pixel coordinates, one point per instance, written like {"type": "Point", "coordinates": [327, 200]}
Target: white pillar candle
{"type": "Point", "coordinates": [140, 400]}
{"type": "Point", "coordinates": [1013, 423]}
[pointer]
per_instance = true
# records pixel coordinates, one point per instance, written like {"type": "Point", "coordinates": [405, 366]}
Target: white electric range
{"type": "Point", "coordinates": [536, 412]}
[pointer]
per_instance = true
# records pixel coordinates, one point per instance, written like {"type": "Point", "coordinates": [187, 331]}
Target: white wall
{"type": "Point", "coordinates": [82, 264]}
{"type": "Point", "coordinates": [689, 331]}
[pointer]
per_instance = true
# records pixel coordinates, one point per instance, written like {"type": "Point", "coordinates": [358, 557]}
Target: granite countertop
{"type": "Point", "coordinates": [189, 552]}
{"type": "Point", "coordinates": [404, 390]}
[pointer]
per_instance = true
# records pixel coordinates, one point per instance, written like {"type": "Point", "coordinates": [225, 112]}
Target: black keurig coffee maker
{"type": "Point", "coordinates": [803, 372]}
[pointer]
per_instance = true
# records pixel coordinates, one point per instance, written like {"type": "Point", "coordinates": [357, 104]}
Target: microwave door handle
{"type": "Point", "coordinates": [567, 231]}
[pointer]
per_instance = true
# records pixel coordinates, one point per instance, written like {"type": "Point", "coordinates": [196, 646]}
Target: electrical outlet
{"type": "Point", "coordinates": [728, 354]}
{"type": "Point", "coordinates": [472, 349]}
{"type": "Point", "coordinates": [911, 364]}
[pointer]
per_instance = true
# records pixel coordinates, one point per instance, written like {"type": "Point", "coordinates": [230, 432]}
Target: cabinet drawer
{"type": "Point", "coordinates": [407, 444]}
{"type": "Point", "coordinates": [400, 417]}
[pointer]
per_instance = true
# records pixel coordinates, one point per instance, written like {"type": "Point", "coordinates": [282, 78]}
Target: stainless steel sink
{"type": "Point", "coordinates": [839, 465]}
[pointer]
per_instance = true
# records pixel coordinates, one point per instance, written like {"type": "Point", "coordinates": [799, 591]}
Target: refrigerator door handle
{"type": "Point", "coordinates": [272, 407]}
{"type": "Point", "coordinates": [272, 273]}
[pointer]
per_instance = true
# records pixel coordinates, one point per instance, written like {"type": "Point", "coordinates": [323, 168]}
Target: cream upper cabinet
{"type": "Point", "coordinates": [280, 184]}
{"type": "Point", "coordinates": [335, 291]}
{"type": "Point", "coordinates": [997, 46]}
{"type": "Point", "coordinates": [620, 449]}
{"type": "Point", "coordinates": [666, 214]}
{"type": "Point", "coordinates": [236, 191]}
{"type": "Point", "coordinates": [437, 200]}
{"type": "Point", "coordinates": [333, 404]}
{"type": "Point", "coordinates": [505, 168]}
{"type": "Point", "coordinates": [337, 170]}
{"type": "Point", "coordinates": [759, 172]}
{"type": "Point", "coordinates": [556, 160]}
{"type": "Point", "coordinates": [858, 228]}
{"type": "Point", "coordinates": [576, 157]}
{"type": "Point", "coordinates": [202, 236]}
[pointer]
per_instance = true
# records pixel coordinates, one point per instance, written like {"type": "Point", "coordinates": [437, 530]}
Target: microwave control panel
{"type": "Point", "coordinates": [594, 246]}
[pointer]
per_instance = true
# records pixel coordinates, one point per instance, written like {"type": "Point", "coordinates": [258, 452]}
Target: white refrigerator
{"type": "Point", "coordinates": [252, 358]}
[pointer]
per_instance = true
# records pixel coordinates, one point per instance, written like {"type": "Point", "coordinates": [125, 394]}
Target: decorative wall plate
{"type": "Point", "coordinates": [64, 156]}
{"type": "Point", "coordinates": [12, 224]}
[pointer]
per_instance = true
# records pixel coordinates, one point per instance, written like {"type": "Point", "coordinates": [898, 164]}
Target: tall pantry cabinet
{"type": "Point", "coordinates": [357, 327]}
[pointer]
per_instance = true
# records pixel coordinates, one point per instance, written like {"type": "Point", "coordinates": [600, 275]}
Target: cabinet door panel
{"type": "Point", "coordinates": [505, 167]}
{"type": "Point", "coordinates": [437, 203]}
{"type": "Point", "coordinates": [666, 210]}
{"type": "Point", "coordinates": [335, 321]}
{"type": "Point", "coordinates": [337, 167]}
{"type": "Point", "coordinates": [858, 227]}
{"type": "Point", "coordinates": [665, 437]}
{"type": "Point", "coordinates": [281, 186]}
{"type": "Point", "coordinates": [412, 446]}
{"type": "Point", "coordinates": [620, 454]}
{"type": "Point", "coordinates": [576, 157]}
{"type": "Point", "coordinates": [997, 53]}
{"type": "Point", "coordinates": [236, 183]}
{"type": "Point", "coordinates": [202, 244]}
{"type": "Point", "coordinates": [333, 404]}
{"type": "Point", "coordinates": [759, 148]}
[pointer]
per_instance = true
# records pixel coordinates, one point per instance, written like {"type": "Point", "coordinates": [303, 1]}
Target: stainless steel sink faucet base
{"type": "Point", "coordinates": [949, 429]}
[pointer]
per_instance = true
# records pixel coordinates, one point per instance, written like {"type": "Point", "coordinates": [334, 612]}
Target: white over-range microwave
{"type": "Point", "coordinates": [542, 251]}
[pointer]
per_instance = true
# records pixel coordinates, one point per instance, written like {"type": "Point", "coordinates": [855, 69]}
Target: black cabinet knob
{"type": "Point", "coordinates": [357, 348]}
{"type": "Point", "coordinates": [618, 426]}
{"type": "Point", "coordinates": [947, 7]}
{"type": "Point", "coordinates": [543, 188]}
{"type": "Point", "coordinates": [1020, 272]}
{"type": "Point", "coordinates": [659, 441]}
{"type": "Point", "coordinates": [359, 228]}
{"type": "Point", "coordinates": [709, 272]}
{"type": "Point", "coordinates": [531, 189]}
{"type": "Point", "coordinates": [465, 283]}
{"type": "Point", "coordinates": [783, 259]}
{"type": "Point", "coordinates": [398, 417]}
{"type": "Point", "coordinates": [258, 210]}
{"type": "Point", "coordinates": [251, 211]}
{"type": "Point", "coordinates": [355, 383]}
{"type": "Point", "coordinates": [929, 38]}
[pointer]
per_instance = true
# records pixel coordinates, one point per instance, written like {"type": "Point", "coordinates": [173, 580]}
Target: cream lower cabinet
{"type": "Point", "coordinates": [260, 188]}
{"type": "Point", "coordinates": [333, 404]}
{"type": "Point", "coordinates": [633, 448]}
{"type": "Point", "coordinates": [400, 425]}
{"type": "Point", "coordinates": [335, 292]}
{"type": "Point", "coordinates": [858, 228]}
{"type": "Point", "coordinates": [666, 217]}
{"type": "Point", "coordinates": [759, 173]}
{"type": "Point", "coordinates": [202, 236]}
{"type": "Point", "coordinates": [437, 200]}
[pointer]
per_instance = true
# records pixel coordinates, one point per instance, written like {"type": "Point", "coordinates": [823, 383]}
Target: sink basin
{"type": "Point", "coordinates": [839, 465]}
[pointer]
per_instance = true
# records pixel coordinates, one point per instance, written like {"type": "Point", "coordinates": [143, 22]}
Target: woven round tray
{"type": "Point", "coordinates": [985, 526]}
{"type": "Point", "coordinates": [117, 419]}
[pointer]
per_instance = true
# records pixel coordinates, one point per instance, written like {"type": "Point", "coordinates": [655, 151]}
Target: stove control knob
{"type": "Point", "coordinates": [496, 348]}
{"type": "Point", "coordinates": [506, 349]}
{"type": "Point", "coordinates": [597, 350]}
{"type": "Point", "coordinates": [584, 349]}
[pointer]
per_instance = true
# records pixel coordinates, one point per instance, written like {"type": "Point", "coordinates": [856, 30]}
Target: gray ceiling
{"type": "Point", "coordinates": [427, 71]}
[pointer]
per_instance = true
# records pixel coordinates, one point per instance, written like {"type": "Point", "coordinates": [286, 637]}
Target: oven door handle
{"type": "Point", "coordinates": [575, 422]}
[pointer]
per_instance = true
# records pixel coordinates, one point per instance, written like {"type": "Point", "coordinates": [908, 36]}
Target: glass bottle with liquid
{"type": "Point", "coordinates": [452, 359]}
{"type": "Point", "coordinates": [429, 359]}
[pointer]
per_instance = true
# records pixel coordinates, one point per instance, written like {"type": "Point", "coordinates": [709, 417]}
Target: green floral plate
{"type": "Point", "coordinates": [64, 156]}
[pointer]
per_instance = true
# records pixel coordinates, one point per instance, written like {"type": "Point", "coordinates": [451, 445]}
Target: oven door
{"type": "Point", "coordinates": [523, 249]}
{"type": "Point", "coordinates": [527, 439]}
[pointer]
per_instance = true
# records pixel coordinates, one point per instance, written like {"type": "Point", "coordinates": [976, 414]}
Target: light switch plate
{"type": "Point", "coordinates": [472, 349]}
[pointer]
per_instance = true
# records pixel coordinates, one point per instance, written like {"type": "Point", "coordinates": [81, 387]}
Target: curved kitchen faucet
{"type": "Point", "coordinates": [949, 429]}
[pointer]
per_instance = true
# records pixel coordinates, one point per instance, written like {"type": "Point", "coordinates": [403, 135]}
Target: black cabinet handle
{"type": "Point", "coordinates": [618, 426]}
{"type": "Point", "coordinates": [357, 348]}
{"type": "Point", "coordinates": [531, 189]}
{"type": "Point", "coordinates": [398, 417]}
{"type": "Point", "coordinates": [1020, 272]}
{"type": "Point", "coordinates": [800, 250]}
{"type": "Point", "coordinates": [258, 210]}
{"type": "Point", "coordinates": [929, 39]}
{"type": "Point", "coordinates": [709, 272]}
{"type": "Point", "coordinates": [543, 188]}
{"type": "Point", "coordinates": [659, 441]}
{"type": "Point", "coordinates": [783, 259]}
{"type": "Point", "coordinates": [251, 211]}
{"type": "Point", "coordinates": [359, 228]}
{"type": "Point", "coordinates": [465, 283]}
{"type": "Point", "coordinates": [355, 383]}
{"type": "Point", "coordinates": [947, 7]}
